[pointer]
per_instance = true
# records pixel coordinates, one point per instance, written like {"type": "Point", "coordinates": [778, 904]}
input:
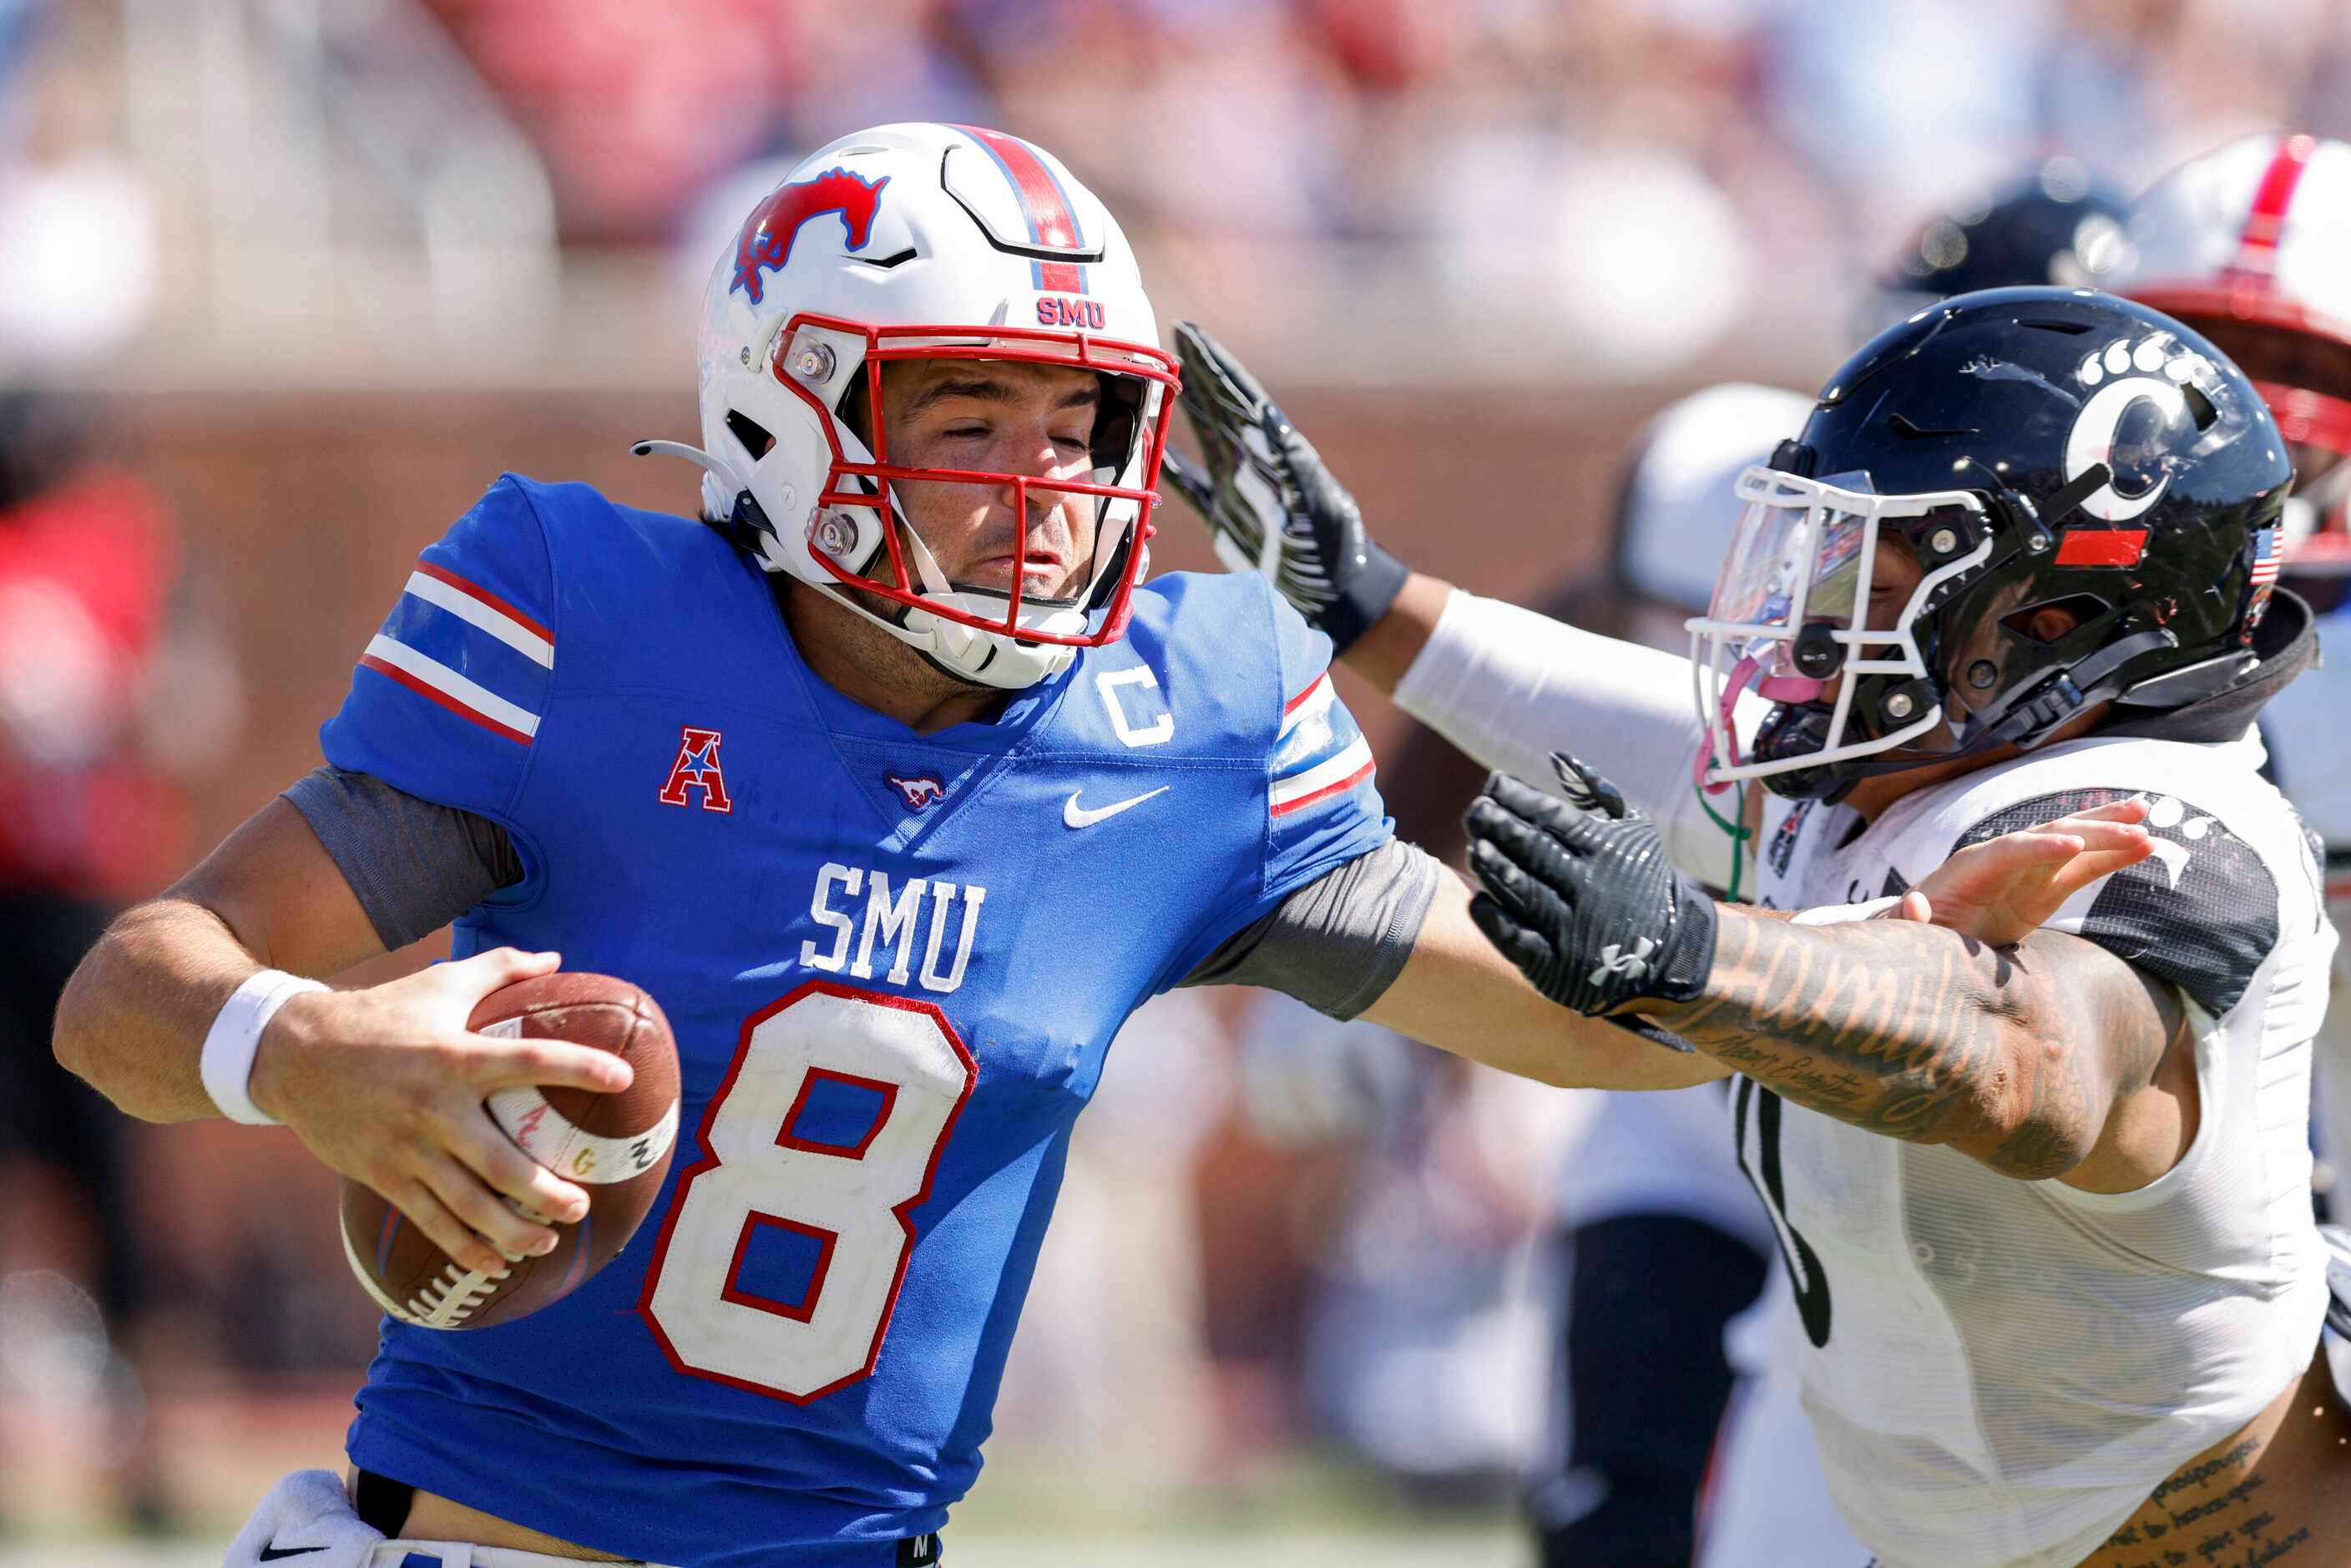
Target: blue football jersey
{"type": "Point", "coordinates": [893, 962]}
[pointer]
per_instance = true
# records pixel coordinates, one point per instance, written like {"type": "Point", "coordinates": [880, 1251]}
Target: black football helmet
{"type": "Point", "coordinates": [1997, 455]}
{"type": "Point", "coordinates": [2053, 223]}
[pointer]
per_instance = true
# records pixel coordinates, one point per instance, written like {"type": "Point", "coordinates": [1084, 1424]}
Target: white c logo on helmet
{"type": "Point", "coordinates": [2092, 442]}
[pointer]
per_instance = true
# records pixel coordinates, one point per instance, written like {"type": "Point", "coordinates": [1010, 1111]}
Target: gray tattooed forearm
{"type": "Point", "coordinates": [1916, 1032]}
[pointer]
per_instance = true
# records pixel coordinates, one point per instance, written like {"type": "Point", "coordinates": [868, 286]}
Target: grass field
{"type": "Point", "coordinates": [1030, 1510]}
{"type": "Point", "coordinates": [1456, 1548]}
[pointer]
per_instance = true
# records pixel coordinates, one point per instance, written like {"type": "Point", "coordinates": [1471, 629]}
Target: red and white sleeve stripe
{"type": "Point", "coordinates": [469, 602]}
{"type": "Point", "coordinates": [1311, 703]}
{"type": "Point", "coordinates": [1318, 763]}
{"type": "Point", "coordinates": [437, 682]}
{"type": "Point", "coordinates": [1330, 777]}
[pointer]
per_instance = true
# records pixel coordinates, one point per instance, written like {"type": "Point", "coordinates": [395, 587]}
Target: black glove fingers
{"type": "Point", "coordinates": [1525, 868]}
{"type": "Point", "coordinates": [1522, 946]}
{"type": "Point", "coordinates": [1299, 470]}
{"type": "Point", "coordinates": [1503, 879]}
{"type": "Point", "coordinates": [1239, 522]}
{"type": "Point", "coordinates": [1218, 449]}
{"type": "Point", "coordinates": [1564, 875]}
{"type": "Point", "coordinates": [1193, 341]}
{"type": "Point", "coordinates": [1539, 811]}
{"type": "Point", "coordinates": [1589, 790]}
{"type": "Point", "coordinates": [1296, 452]}
{"type": "Point", "coordinates": [1215, 388]}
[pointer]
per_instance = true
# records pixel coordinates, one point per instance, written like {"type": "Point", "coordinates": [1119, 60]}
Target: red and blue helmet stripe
{"type": "Point", "coordinates": [1045, 207]}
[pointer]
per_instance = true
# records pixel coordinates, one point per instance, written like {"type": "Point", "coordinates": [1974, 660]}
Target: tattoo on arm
{"type": "Point", "coordinates": [2014, 1055]}
{"type": "Point", "coordinates": [2215, 1513]}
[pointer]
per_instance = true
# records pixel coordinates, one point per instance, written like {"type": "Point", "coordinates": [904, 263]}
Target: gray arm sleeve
{"type": "Point", "coordinates": [1338, 942]}
{"type": "Point", "coordinates": [415, 866]}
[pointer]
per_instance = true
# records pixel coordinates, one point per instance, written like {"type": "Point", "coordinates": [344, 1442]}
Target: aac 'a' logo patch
{"type": "Point", "coordinates": [696, 767]}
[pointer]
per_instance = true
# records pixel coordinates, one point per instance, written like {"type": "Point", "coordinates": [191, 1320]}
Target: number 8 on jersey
{"type": "Point", "coordinates": [853, 1197]}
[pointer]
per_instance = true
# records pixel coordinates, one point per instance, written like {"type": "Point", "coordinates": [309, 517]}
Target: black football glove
{"type": "Point", "coordinates": [1580, 895]}
{"type": "Point", "coordinates": [1271, 505]}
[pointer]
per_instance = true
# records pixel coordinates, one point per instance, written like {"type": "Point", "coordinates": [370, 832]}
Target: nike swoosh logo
{"type": "Point", "coordinates": [1076, 816]}
{"type": "Point", "coordinates": [273, 1551]}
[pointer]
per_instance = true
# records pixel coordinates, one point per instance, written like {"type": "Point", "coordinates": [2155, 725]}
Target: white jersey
{"type": "Point", "coordinates": [2000, 1372]}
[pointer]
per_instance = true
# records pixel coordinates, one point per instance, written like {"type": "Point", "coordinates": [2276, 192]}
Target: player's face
{"type": "Point", "coordinates": [1035, 420]}
{"type": "Point", "coordinates": [1894, 576]}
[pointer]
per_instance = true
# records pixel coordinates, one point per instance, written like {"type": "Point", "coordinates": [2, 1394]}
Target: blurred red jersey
{"type": "Point", "coordinates": [85, 573]}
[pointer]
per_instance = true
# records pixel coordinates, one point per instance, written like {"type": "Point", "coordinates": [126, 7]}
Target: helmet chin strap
{"type": "Point", "coordinates": [2026, 722]}
{"type": "Point", "coordinates": [717, 467]}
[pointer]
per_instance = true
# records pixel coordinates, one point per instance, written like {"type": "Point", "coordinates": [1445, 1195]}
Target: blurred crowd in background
{"type": "Point", "coordinates": [494, 190]}
{"type": "Point", "coordinates": [283, 283]}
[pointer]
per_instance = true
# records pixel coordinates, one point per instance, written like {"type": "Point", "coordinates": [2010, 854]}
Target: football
{"type": "Point", "coordinates": [617, 1146]}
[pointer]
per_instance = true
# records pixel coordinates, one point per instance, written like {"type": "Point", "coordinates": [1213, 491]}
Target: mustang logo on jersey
{"type": "Point", "coordinates": [765, 243]}
{"type": "Point", "coordinates": [921, 792]}
{"type": "Point", "coordinates": [893, 920]}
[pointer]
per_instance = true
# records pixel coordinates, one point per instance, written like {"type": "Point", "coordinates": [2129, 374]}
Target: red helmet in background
{"type": "Point", "coordinates": [2251, 246]}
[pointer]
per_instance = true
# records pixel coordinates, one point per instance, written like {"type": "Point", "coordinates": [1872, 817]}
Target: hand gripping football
{"type": "Point", "coordinates": [616, 1146]}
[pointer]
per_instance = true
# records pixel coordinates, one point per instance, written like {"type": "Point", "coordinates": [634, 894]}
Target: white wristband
{"type": "Point", "coordinates": [235, 1035]}
{"type": "Point", "coordinates": [1844, 913]}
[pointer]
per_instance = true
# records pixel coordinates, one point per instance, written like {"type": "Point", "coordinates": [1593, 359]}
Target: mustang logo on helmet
{"type": "Point", "coordinates": [783, 446]}
{"type": "Point", "coordinates": [766, 241]}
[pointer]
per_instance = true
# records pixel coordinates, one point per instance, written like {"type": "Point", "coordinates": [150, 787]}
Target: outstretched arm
{"type": "Point", "coordinates": [1457, 993]}
{"type": "Point", "coordinates": [2016, 1056]}
{"type": "Point", "coordinates": [2029, 1051]}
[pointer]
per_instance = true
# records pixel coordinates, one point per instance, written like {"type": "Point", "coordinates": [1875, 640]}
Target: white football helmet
{"type": "Point", "coordinates": [911, 242]}
{"type": "Point", "coordinates": [2250, 244]}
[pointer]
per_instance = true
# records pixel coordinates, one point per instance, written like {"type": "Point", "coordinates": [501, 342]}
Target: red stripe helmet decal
{"type": "Point", "coordinates": [1044, 206]}
{"type": "Point", "coordinates": [2265, 222]}
{"type": "Point", "coordinates": [2101, 547]}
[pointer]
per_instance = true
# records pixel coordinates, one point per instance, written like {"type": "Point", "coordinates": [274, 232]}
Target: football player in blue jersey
{"type": "Point", "coordinates": [899, 793]}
